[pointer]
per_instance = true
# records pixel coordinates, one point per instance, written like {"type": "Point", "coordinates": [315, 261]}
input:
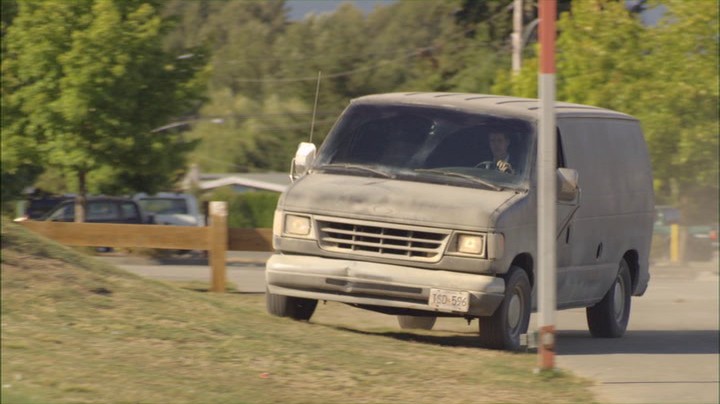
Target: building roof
{"type": "Point", "coordinates": [276, 182]}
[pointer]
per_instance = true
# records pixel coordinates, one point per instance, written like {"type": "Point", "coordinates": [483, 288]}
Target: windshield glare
{"type": "Point", "coordinates": [423, 143]}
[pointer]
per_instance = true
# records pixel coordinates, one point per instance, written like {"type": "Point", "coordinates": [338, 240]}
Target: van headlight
{"type": "Point", "coordinates": [479, 245]}
{"type": "Point", "coordinates": [471, 244]}
{"type": "Point", "coordinates": [296, 225]}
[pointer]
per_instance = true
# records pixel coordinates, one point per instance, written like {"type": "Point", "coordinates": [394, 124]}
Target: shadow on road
{"type": "Point", "coordinates": [576, 342]}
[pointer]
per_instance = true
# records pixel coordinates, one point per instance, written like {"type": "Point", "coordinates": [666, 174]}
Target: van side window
{"type": "Point", "coordinates": [560, 154]}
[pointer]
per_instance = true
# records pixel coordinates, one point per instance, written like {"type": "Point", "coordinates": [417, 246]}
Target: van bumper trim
{"type": "Point", "coordinates": [368, 283]}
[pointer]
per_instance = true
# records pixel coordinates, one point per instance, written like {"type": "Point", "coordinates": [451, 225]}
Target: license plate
{"type": "Point", "coordinates": [449, 300]}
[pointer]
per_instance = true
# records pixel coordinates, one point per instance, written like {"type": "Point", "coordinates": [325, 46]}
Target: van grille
{"type": "Point", "coordinates": [381, 240]}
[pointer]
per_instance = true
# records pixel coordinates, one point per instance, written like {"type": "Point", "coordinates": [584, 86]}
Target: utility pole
{"type": "Point", "coordinates": [517, 36]}
{"type": "Point", "coordinates": [547, 211]}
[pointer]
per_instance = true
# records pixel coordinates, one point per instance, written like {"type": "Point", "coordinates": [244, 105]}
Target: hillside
{"type": "Point", "coordinates": [78, 330]}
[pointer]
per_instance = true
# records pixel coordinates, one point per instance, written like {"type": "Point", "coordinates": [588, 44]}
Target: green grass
{"type": "Point", "coordinates": [76, 330]}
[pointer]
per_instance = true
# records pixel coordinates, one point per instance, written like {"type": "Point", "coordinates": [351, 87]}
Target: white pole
{"type": "Point", "coordinates": [547, 157]}
{"type": "Point", "coordinates": [517, 36]}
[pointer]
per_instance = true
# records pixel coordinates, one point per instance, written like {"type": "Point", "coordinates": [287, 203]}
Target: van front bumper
{"type": "Point", "coordinates": [374, 284]}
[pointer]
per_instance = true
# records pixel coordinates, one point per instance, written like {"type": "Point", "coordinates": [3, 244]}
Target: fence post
{"type": "Point", "coordinates": [218, 241]}
{"type": "Point", "coordinates": [674, 243]}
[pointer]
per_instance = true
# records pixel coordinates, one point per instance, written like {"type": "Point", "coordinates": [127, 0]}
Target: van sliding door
{"type": "Point", "coordinates": [564, 231]}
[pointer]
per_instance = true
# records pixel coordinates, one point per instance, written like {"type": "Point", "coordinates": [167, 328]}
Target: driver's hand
{"type": "Point", "coordinates": [504, 166]}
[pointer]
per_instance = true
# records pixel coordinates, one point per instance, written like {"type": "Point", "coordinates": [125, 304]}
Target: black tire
{"type": "Point", "coordinates": [416, 322]}
{"type": "Point", "coordinates": [609, 317]}
{"type": "Point", "coordinates": [502, 330]}
{"type": "Point", "coordinates": [296, 308]}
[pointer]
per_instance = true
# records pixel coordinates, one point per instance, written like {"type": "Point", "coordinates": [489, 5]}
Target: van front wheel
{"type": "Point", "coordinates": [296, 308]}
{"type": "Point", "coordinates": [609, 318]}
{"type": "Point", "coordinates": [502, 330]}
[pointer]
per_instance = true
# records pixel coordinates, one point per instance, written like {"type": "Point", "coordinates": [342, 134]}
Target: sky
{"type": "Point", "coordinates": [300, 8]}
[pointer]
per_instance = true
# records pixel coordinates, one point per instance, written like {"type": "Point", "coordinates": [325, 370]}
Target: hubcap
{"type": "Point", "coordinates": [619, 299]}
{"type": "Point", "coordinates": [514, 310]}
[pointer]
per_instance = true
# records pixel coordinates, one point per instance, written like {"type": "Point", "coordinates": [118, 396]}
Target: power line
{"type": "Point", "coordinates": [300, 58]}
{"type": "Point", "coordinates": [339, 74]}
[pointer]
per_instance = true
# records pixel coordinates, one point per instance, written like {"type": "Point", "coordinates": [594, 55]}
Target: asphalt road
{"type": "Point", "coordinates": [670, 353]}
{"type": "Point", "coordinates": [244, 270]}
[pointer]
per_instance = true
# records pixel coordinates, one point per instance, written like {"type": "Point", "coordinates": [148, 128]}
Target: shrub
{"type": "Point", "coordinates": [247, 209]}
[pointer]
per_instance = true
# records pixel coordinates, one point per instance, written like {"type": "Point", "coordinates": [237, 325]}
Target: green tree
{"type": "Point", "coordinates": [238, 35]}
{"type": "Point", "coordinates": [678, 105]}
{"type": "Point", "coordinates": [86, 83]}
{"type": "Point", "coordinates": [470, 47]}
{"type": "Point", "coordinates": [599, 57]}
{"type": "Point", "coordinates": [30, 78]}
{"type": "Point", "coordinates": [334, 44]}
{"type": "Point", "coordinates": [242, 134]}
{"type": "Point", "coordinates": [410, 46]}
{"type": "Point", "coordinates": [234, 129]}
{"type": "Point", "coordinates": [666, 75]}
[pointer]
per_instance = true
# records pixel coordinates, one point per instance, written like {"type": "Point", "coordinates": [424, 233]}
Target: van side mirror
{"type": "Point", "coordinates": [304, 157]}
{"type": "Point", "coordinates": [567, 184]}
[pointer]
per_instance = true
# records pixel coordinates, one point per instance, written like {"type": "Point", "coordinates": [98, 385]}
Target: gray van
{"type": "Point", "coordinates": [410, 208]}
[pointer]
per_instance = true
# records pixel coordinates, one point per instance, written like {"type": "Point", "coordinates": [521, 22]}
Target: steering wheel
{"type": "Point", "coordinates": [488, 165]}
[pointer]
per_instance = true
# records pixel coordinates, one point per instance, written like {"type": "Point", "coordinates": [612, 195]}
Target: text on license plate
{"type": "Point", "coordinates": [449, 300]}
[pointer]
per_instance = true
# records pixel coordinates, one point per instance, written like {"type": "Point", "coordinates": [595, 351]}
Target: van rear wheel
{"type": "Point", "coordinates": [503, 329]}
{"type": "Point", "coordinates": [416, 322]}
{"type": "Point", "coordinates": [609, 318]}
{"type": "Point", "coordinates": [296, 308]}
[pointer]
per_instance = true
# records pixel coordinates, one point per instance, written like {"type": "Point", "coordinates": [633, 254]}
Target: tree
{"type": "Point", "coordinates": [242, 134]}
{"type": "Point", "coordinates": [679, 111]}
{"type": "Point", "coordinates": [234, 130]}
{"type": "Point", "coordinates": [30, 78]}
{"type": "Point", "coordinates": [665, 75]}
{"type": "Point", "coordinates": [238, 35]}
{"type": "Point", "coordinates": [86, 83]}
{"type": "Point", "coordinates": [265, 67]}
{"type": "Point", "coordinates": [599, 57]}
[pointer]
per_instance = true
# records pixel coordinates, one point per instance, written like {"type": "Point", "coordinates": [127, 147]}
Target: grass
{"type": "Point", "coordinates": [76, 330]}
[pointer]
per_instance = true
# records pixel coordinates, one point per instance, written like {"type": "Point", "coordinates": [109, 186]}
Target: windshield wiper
{"type": "Point", "coordinates": [357, 167]}
{"type": "Point", "coordinates": [460, 175]}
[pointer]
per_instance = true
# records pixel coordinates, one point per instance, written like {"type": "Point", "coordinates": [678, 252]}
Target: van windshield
{"type": "Point", "coordinates": [431, 144]}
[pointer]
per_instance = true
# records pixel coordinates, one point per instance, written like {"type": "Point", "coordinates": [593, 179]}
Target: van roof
{"type": "Point", "coordinates": [487, 103]}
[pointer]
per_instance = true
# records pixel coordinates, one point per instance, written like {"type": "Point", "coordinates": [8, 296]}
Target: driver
{"type": "Point", "coordinates": [499, 143]}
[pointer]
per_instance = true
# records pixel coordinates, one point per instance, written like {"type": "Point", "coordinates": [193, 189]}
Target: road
{"type": "Point", "coordinates": [244, 270]}
{"type": "Point", "coordinates": [670, 351]}
{"type": "Point", "coordinates": [668, 355]}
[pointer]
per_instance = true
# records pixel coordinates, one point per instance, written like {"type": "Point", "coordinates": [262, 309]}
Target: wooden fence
{"type": "Point", "coordinates": [216, 238]}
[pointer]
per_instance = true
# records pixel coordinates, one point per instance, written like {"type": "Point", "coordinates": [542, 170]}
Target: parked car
{"type": "Point", "coordinates": [100, 209]}
{"type": "Point", "coordinates": [36, 208]}
{"type": "Point", "coordinates": [701, 239]}
{"type": "Point", "coordinates": [178, 209]}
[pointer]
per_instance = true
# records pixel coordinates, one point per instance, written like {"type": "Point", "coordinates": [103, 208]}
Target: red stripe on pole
{"type": "Point", "coordinates": [548, 13]}
{"type": "Point", "coordinates": [546, 347]}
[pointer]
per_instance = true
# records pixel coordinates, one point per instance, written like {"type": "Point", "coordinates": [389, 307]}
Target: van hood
{"type": "Point", "coordinates": [399, 201]}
